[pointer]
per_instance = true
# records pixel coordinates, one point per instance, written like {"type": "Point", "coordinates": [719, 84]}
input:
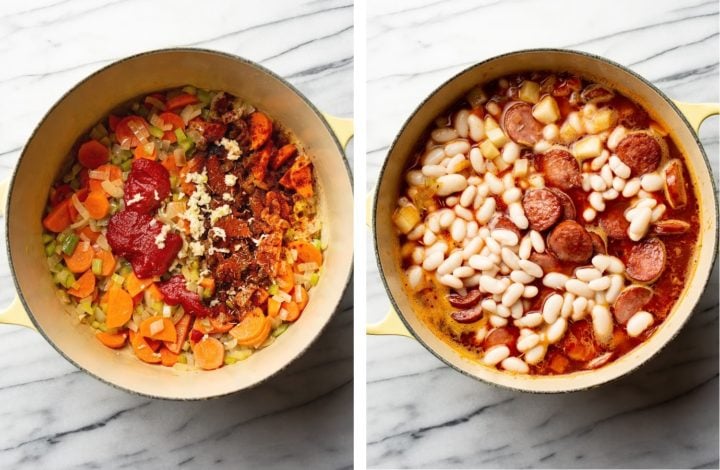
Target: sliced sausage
{"type": "Point", "coordinates": [503, 222]}
{"type": "Point", "coordinates": [599, 247]}
{"type": "Point", "coordinates": [560, 169]}
{"type": "Point", "coordinates": [613, 222]}
{"type": "Point", "coordinates": [641, 152]}
{"type": "Point", "coordinates": [470, 315]}
{"type": "Point", "coordinates": [465, 301]}
{"type": "Point", "coordinates": [520, 125]}
{"type": "Point", "coordinates": [506, 335]}
{"type": "Point", "coordinates": [629, 114]}
{"type": "Point", "coordinates": [542, 208]}
{"type": "Point", "coordinates": [646, 260]}
{"type": "Point", "coordinates": [596, 93]}
{"type": "Point", "coordinates": [566, 202]}
{"type": "Point", "coordinates": [675, 184]}
{"type": "Point", "coordinates": [630, 301]}
{"type": "Point", "coordinates": [546, 261]}
{"type": "Point", "coordinates": [671, 227]}
{"type": "Point", "coordinates": [569, 241]}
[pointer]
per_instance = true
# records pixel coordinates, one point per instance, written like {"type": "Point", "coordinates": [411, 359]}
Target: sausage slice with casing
{"type": "Point", "coordinates": [569, 241]}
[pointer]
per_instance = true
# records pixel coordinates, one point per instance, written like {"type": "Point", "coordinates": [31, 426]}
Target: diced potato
{"type": "Point", "coordinates": [497, 137]}
{"type": "Point", "coordinates": [488, 149]}
{"type": "Point", "coordinates": [490, 123]}
{"type": "Point", "coordinates": [407, 249]}
{"type": "Point", "coordinates": [406, 218]}
{"type": "Point", "coordinates": [588, 147]}
{"type": "Point", "coordinates": [520, 168]}
{"type": "Point", "coordinates": [546, 111]}
{"type": "Point", "coordinates": [537, 180]}
{"type": "Point", "coordinates": [476, 97]}
{"type": "Point", "coordinates": [529, 91]}
{"type": "Point", "coordinates": [501, 165]}
{"type": "Point", "coordinates": [568, 133]}
{"type": "Point", "coordinates": [602, 120]}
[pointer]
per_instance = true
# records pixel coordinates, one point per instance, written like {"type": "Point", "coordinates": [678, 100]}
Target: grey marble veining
{"type": "Point", "coordinates": [423, 414]}
{"type": "Point", "coordinates": [54, 416]}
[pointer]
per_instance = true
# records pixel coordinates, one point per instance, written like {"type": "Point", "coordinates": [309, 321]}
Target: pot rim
{"type": "Point", "coordinates": [403, 128]}
{"type": "Point", "coordinates": [11, 185]}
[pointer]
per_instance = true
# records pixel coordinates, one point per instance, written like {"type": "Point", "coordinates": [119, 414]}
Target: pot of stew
{"type": "Point", "coordinates": [546, 221]}
{"type": "Point", "coordinates": [169, 225]}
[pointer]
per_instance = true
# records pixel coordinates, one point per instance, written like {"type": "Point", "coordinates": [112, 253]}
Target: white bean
{"type": "Point", "coordinates": [616, 265]}
{"type": "Point", "coordinates": [476, 128]}
{"type": "Point", "coordinates": [619, 167]}
{"type": "Point", "coordinates": [468, 196]}
{"type": "Point", "coordinates": [493, 245]}
{"type": "Point", "coordinates": [463, 271]}
{"type": "Point", "coordinates": [457, 147]}
{"type": "Point", "coordinates": [615, 137]}
{"type": "Point", "coordinates": [418, 255]}
{"type": "Point", "coordinates": [631, 188]}
{"type": "Point", "coordinates": [472, 281]}
{"type": "Point", "coordinates": [517, 310]}
{"type": "Point", "coordinates": [551, 308]}
{"type": "Point", "coordinates": [579, 308]}
{"type": "Point", "coordinates": [510, 259]}
{"type": "Point", "coordinates": [464, 213]}
{"type": "Point", "coordinates": [640, 223]}
{"type": "Point", "coordinates": [477, 161]}
{"type": "Point", "coordinates": [568, 299]}
{"type": "Point", "coordinates": [429, 238]}
{"type": "Point", "coordinates": [617, 281]}
{"type": "Point", "coordinates": [607, 175]}
{"type": "Point", "coordinates": [502, 311]}
{"type": "Point", "coordinates": [648, 202]}
{"type": "Point", "coordinates": [514, 364]}
{"type": "Point", "coordinates": [531, 268]}
{"type": "Point", "coordinates": [434, 171]}
{"type": "Point", "coordinates": [618, 184]}
{"type": "Point", "coordinates": [639, 322]}
{"type": "Point", "coordinates": [601, 262]}
{"type": "Point", "coordinates": [498, 321]}
{"type": "Point", "coordinates": [496, 354]}
{"type": "Point", "coordinates": [554, 280]}
{"type": "Point", "coordinates": [456, 163]}
{"type": "Point", "coordinates": [530, 292]}
{"type": "Point", "coordinates": [461, 123]}
{"type": "Point", "coordinates": [433, 222]}
{"type": "Point", "coordinates": [489, 305]}
{"type": "Point", "coordinates": [440, 246]}
{"type": "Point", "coordinates": [416, 277]}
{"type": "Point", "coordinates": [473, 247]}
{"type": "Point", "coordinates": [556, 331]}
{"type": "Point", "coordinates": [416, 233]}
{"type": "Point", "coordinates": [433, 156]}
{"type": "Point", "coordinates": [536, 354]}
{"type": "Point", "coordinates": [537, 240]}
{"type": "Point", "coordinates": [432, 260]}
{"type": "Point", "coordinates": [587, 274]}
{"type": "Point", "coordinates": [458, 230]}
{"type": "Point", "coordinates": [658, 212]}
{"type": "Point", "coordinates": [494, 183]}
{"type": "Point", "coordinates": [600, 298]}
{"type": "Point", "coordinates": [512, 195]}
{"type": "Point", "coordinates": [486, 211]}
{"type": "Point", "coordinates": [551, 132]}
{"type": "Point", "coordinates": [577, 287]}
{"type": "Point", "coordinates": [512, 294]}
{"type": "Point", "coordinates": [415, 178]}
{"type": "Point", "coordinates": [589, 214]}
{"type": "Point", "coordinates": [492, 285]}
{"type": "Point", "coordinates": [481, 263]}
{"type": "Point", "coordinates": [521, 276]}
{"type": "Point", "coordinates": [448, 184]}
{"type": "Point", "coordinates": [444, 134]}
{"type": "Point", "coordinates": [531, 320]}
{"type": "Point", "coordinates": [453, 261]}
{"type": "Point", "coordinates": [525, 249]}
{"type": "Point", "coordinates": [472, 229]}
{"type": "Point", "coordinates": [527, 342]}
{"type": "Point", "coordinates": [447, 217]}
{"type": "Point", "coordinates": [651, 182]}
{"type": "Point", "coordinates": [505, 237]}
{"type": "Point", "coordinates": [596, 201]}
{"type": "Point", "coordinates": [597, 183]}
{"type": "Point", "coordinates": [602, 324]}
{"type": "Point", "coordinates": [597, 163]}
{"type": "Point", "coordinates": [599, 284]}
{"type": "Point", "coordinates": [451, 281]}
{"type": "Point", "coordinates": [517, 215]}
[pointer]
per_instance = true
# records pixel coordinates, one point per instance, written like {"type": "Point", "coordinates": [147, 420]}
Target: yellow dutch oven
{"type": "Point", "coordinates": [36, 305]}
{"type": "Point", "coordinates": [682, 120]}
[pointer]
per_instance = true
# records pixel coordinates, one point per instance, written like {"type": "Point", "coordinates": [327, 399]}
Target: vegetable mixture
{"type": "Point", "coordinates": [186, 226]}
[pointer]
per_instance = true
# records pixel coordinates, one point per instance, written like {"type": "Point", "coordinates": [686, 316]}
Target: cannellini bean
{"type": "Point", "coordinates": [517, 215]}
{"type": "Point", "coordinates": [473, 247]}
{"type": "Point", "coordinates": [472, 281]}
{"type": "Point", "coordinates": [536, 354]}
{"type": "Point", "coordinates": [631, 188]}
{"type": "Point", "coordinates": [498, 321]}
{"type": "Point", "coordinates": [489, 305]}
{"type": "Point", "coordinates": [597, 163]}
{"type": "Point", "coordinates": [556, 331]}
{"type": "Point", "coordinates": [448, 184]}
{"type": "Point", "coordinates": [658, 212]}
{"type": "Point", "coordinates": [457, 147]}
{"type": "Point", "coordinates": [514, 364]}
{"type": "Point", "coordinates": [589, 214]}
{"type": "Point", "coordinates": [480, 334]}
{"type": "Point", "coordinates": [597, 183]}
{"type": "Point", "coordinates": [517, 310]}
{"type": "Point", "coordinates": [617, 281]}
{"type": "Point", "coordinates": [432, 260]}
{"type": "Point", "coordinates": [512, 294]}
{"type": "Point", "coordinates": [537, 240]}
{"type": "Point", "coordinates": [476, 128]}
{"type": "Point", "coordinates": [418, 255]}
{"type": "Point", "coordinates": [460, 123]}
{"type": "Point", "coordinates": [602, 323]}
{"type": "Point", "coordinates": [615, 137]}
{"type": "Point", "coordinates": [464, 213]}
{"type": "Point", "coordinates": [651, 182]}
{"type": "Point", "coordinates": [456, 164]}
{"type": "Point", "coordinates": [596, 201]}
{"type": "Point", "coordinates": [607, 175]}
{"type": "Point", "coordinates": [616, 265]}
{"type": "Point", "coordinates": [474, 180]}
{"type": "Point", "coordinates": [610, 195]}
{"type": "Point", "coordinates": [463, 272]}
{"type": "Point", "coordinates": [496, 354]}
{"type": "Point", "coordinates": [644, 194]}
{"type": "Point", "coordinates": [527, 342]}
{"type": "Point", "coordinates": [415, 277]}
{"type": "Point", "coordinates": [512, 195]}
{"type": "Point", "coordinates": [494, 183]}
{"type": "Point", "coordinates": [579, 308]}
{"type": "Point", "coordinates": [468, 196]}
{"type": "Point", "coordinates": [530, 292]}
{"type": "Point", "coordinates": [601, 262]}
{"type": "Point", "coordinates": [483, 189]}
{"type": "Point", "coordinates": [502, 311]}
{"type": "Point", "coordinates": [640, 223]}
{"type": "Point", "coordinates": [525, 249]}
{"type": "Point", "coordinates": [600, 298]}
{"type": "Point", "coordinates": [440, 246]}
{"type": "Point", "coordinates": [477, 161]}
{"type": "Point", "coordinates": [568, 299]}
{"type": "Point", "coordinates": [429, 238]}
{"type": "Point", "coordinates": [510, 258]}
{"type": "Point", "coordinates": [486, 211]}
{"type": "Point", "coordinates": [415, 178]}
{"type": "Point", "coordinates": [434, 171]}
{"type": "Point", "coordinates": [444, 134]}
{"type": "Point", "coordinates": [619, 167]}
{"type": "Point", "coordinates": [458, 230]}
{"type": "Point", "coordinates": [433, 156]}
{"type": "Point", "coordinates": [542, 146]}
{"type": "Point", "coordinates": [586, 182]}
{"type": "Point", "coordinates": [587, 274]}
{"type": "Point", "coordinates": [531, 268]}
{"type": "Point", "coordinates": [504, 237]}
{"type": "Point", "coordinates": [447, 217]}
{"type": "Point", "coordinates": [618, 184]}
{"type": "Point", "coordinates": [472, 229]}
{"type": "Point", "coordinates": [451, 281]}
{"type": "Point", "coordinates": [639, 322]}
{"type": "Point", "coordinates": [510, 152]}
{"type": "Point", "coordinates": [554, 280]}
{"type": "Point", "coordinates": [492, 285]}
{"type": "Point", "coordinates": [521, 276]}
{"type": "Point", "coordinates": [577, 287]}
{"type": "Point", "coordinates": [416, 233]}
{"type": "Point", "coordinates": [649, 203]}
{"type": "Point", "coordinates": [551, 132]}
{"type": "Point", "coordinates": [531, 320]}
{"type": "Point", "coordinates": [433, 222]}
{"type": "Point", "coordinates": [551, 308]}
{"type": "Point", "coordinates": [493, 245]}
{"type": "Point", "coordinates": [453, 261]}
{"type": "Point", "coordinates": [599, 284]}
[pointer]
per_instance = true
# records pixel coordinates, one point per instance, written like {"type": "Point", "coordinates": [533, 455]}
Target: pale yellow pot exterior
{"type": "Point", "coordinates": [79, 110]}
{"type": "Point", "coordinates": [595, 69]}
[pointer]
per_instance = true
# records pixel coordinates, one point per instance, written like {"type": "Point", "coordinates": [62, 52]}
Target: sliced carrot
{"type": "Point", "coordinates": [260, 296]}
{"type": "Point", "coordinates": [124, 132]}
{"type": "Point", "coordinates": [180, 101]}
{"type": "Point", "coordinates": [81, 259]}
{"type": "Point", "coordinates": [91, 234]}
{"type": "Point", "coordinates": [300, 296]}
{"type": "Point", "coordinates": [120, 307]}
{"type": "Point", "coordinates": [208, 283]}
{"type": "Point", "coordinates": [203, 325]}
{"type": "Point", "coordinates": [220, 325]}
{"type": "Point", "coordinates": [285, 153]}
{"type": "Point", "coordinates": [175, 121]}
{"type": "Point", "coordinates": [167, 357]}
{"type": "Point", "coordinates": [169, 164]}
{"type": "Point", "coordinates": [148, 151]}
{"type": "Point", "coordinates": [209, 353]}
{"type": "Point", "coordinates": [135, 285]}
{"type": "Point", "coordinates": [154, 292]}
{"type": "Point", "coordinates": [92, 154]}
{"type": "Point", "coordinates": [182, 327]}
{"type": "Point", "coordinates": [192, 166]}
{"type": "Point", "coordinates": [60, 193]}
{"type": "Point", "coordinates": [260, 129]}
{"type": "Point", "coordinates": [113, 122]}
{"type": "Point", "coordinates": [83, 286]}
{"type": "Point", "coordinates": [286, 278]}
{"type": "Point", "coordinates": [306, 252]}
{"type": "Point", "coordinates": [114, 172]}
{"type": "Point", "coordinates": [143, 350]}
{"type": "Point", "coordinates": [273, 307]}
{"type": "Point", "coordinates": [114, 341]}
{"type": "Point", "coordinates": [292, 309]}
{"type": "Point", "coordinates": [167, 333]}
{"type": "Point", "coordinates": [59, 217]}
{"type": "Point", "coordinates": [97, 205]}
{"type": "Point", "coordinates": [108, 262]}
{"type": "Point", "coordinates": [250, 328]}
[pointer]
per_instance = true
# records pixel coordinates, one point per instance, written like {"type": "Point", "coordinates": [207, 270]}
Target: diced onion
{"type": "Point", "coordinates": [99, 175]}
{"type": "Point", "coordinates": [179, 156]}
{"type": "Point", "coordinates": [80, 223]}
{"type": "Point", "coordinates": [112, 188]}
{"type": "Point", "coordinates": [79, 207]}
{"type": "Point", "coordinates": [132, 326]}
{"type": "Point", "coordinates": [139, 131]}
{"type": "Point", "coordinates": [156, 327]}
{"type": "Point", "coordinates": [189, 112]}
{"type": "Point", "coordinates": [152, 101]}
{"type": "Point", "coordinates": [282, 297]}
{"type": "Point", "coordinates": [102, 242]}
{"type": "Point", "coordinates": [304, 267]}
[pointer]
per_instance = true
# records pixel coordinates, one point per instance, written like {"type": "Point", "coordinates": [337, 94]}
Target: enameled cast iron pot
{"type": "Point", "coordinates": [37, 306]}
{"type": "Point", "coordinates": [682, 120]}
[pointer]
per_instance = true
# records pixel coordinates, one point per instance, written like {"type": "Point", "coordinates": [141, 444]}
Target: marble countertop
{"type": "Point", "coordinates": [55, 416]}
{"type": "Point", "coordinates": [422, 413]}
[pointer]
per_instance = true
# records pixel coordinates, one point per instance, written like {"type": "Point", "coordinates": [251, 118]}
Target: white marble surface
{"type": "Point", "coordinates": [55, 416]}
{"type": "Point", "coordinates": [423, 414]}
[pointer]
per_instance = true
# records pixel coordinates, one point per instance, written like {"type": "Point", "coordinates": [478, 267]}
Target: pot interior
{"type": "Point", "coordinates": [80, 109]}
{"type": "Point", "coordinates": [598, 70]}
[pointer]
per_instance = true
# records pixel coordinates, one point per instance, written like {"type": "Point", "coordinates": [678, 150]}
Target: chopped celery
{"type": "Point", "coordinates": [187, 145]}
{"type": "Point", "coordinates": [106, 141]}
{"type": "Point", "coordinates": [180, 135]}
{"type": "Point", "coordinates": [205, 113]}
{"type": "Point", "coordinates": [75, 184]}
{"type": "Point", "coordinates": [204, 97]}
{"type": "Point", "coordinates": [318, 244]}
{"type": "Point", "coordinates": [65, 278]}
{"type": "Point", "coordinates": [47, 238]}
{"type": "Point", "coordinates": [125, 270]}
{"type": "Point", "coordinates": [240, 355]}
{"type": "Point", "coordinates": [117, 279]}
{"type": "Point", "coordinates": [280, 329]}
{"type": "Point", "coordinates": [126, 165]}
{"type": "Point", "coordinates": [314, 279]}
{"type": "Point", "coordinates": [102, 327]}
{"type": "Point", "coordinates": [186, 346]}
{"type": "Point", "coordinates": [50, 248]}
{"type": "Point", "coordinates": [98, 132]}
{"type": "Point", "coordinates": [62, 236]}
{"type": "Point", "coordinates": [69, 244]}
{"type": "Point", "coordinates": [126, 154]}
{"type": "Point", "coordinates": [114, 206]}
{"type": "Point", "coordinates": [207, 293]}
{"type": "Point", "coordinates": [156, 132]}
{"type": "Point", "coordinates": [96, 325]}
{"type": "Point", "coordinates": [97, 266]}
{"type": "Point", "coordinates": [273, 289]}
{"type": "Point", "coordinates": [182, 359]}
{"type": "Point", "coordinates": [190, 89]}
{"type": "Point", "coordinates": [229, 360]}
{"type": "Point", "coordinates": [86, 306]}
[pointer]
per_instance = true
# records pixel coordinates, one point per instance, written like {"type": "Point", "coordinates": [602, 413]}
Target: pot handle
{"type": "Point", "coordinates": [15, 313]}
{"type": "Point", "coordinates": [696, 113]}
{"type": "Point", "coordinates": [342, 127]}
